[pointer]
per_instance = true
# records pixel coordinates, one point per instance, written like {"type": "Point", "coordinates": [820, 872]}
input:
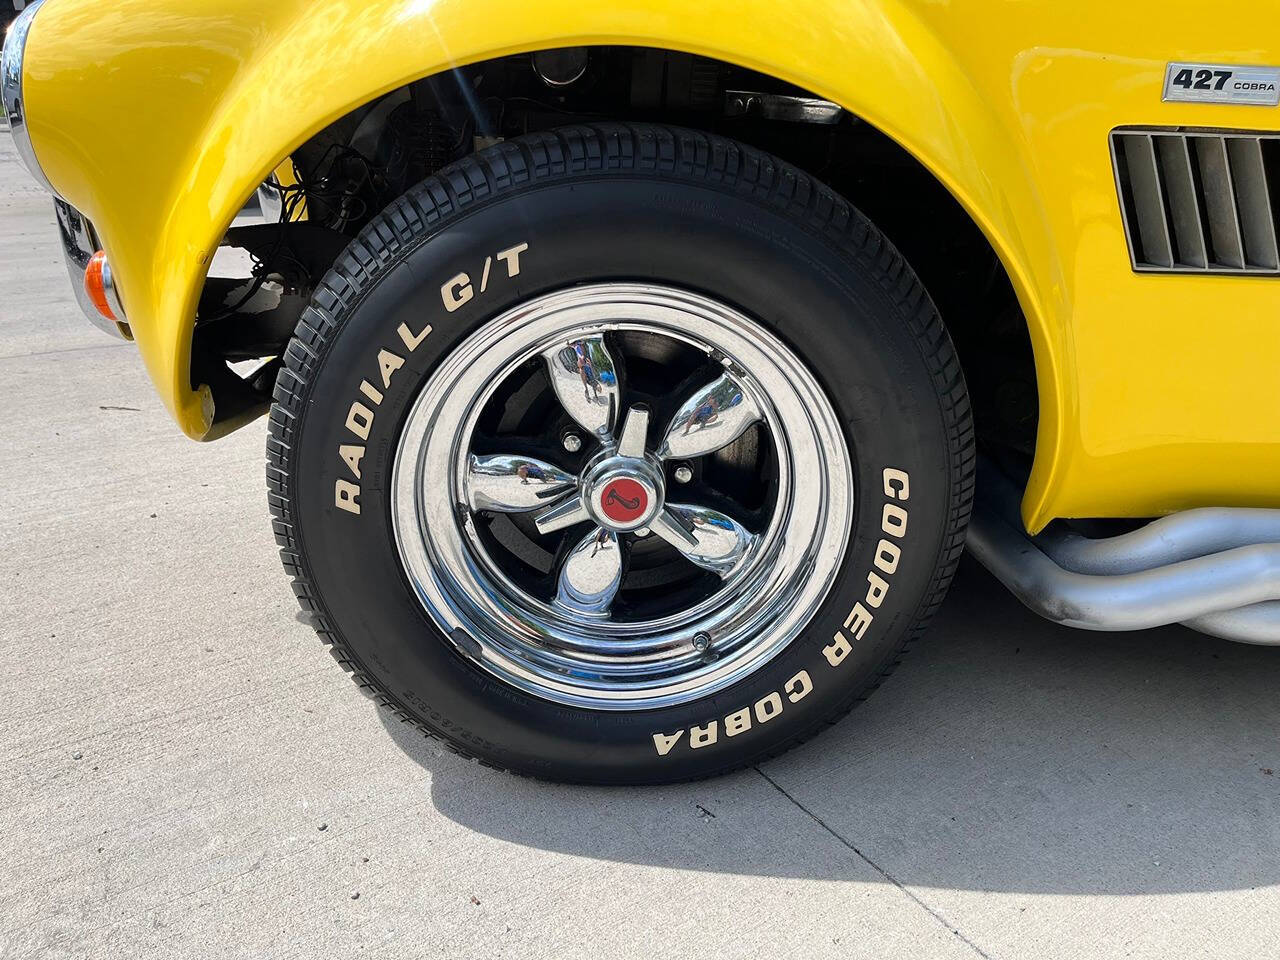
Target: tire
{"type": "Point", "coordinates": [700, 219]}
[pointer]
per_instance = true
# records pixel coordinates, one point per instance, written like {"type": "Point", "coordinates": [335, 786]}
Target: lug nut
{"type": "Point", "coordinates": [683, 473]}
{"type": "Point", "coordinates": [701, 642]}
{"type": "Point", "coordinates": [642, 531]}
{"type": "Point", "coordinates": [572, 442]}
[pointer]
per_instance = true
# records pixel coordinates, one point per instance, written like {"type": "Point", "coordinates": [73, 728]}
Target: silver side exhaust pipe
{"type": "Point", "coordinates": [1217, 571]}
{"type": "Point", "coordinates": [1259, 624]}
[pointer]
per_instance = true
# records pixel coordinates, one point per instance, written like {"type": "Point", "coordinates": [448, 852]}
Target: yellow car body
{"type": "Point", "coordinates": [1158, 393]}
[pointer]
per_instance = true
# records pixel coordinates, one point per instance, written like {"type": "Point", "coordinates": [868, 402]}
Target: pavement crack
{"type": "Point", "coordinates": [118, 345]}
{"type": "Point", "coordinates": [876, 867]}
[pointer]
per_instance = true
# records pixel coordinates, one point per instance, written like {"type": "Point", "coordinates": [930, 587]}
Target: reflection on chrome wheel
{"type": "Point", "coordinates": [534, 510]}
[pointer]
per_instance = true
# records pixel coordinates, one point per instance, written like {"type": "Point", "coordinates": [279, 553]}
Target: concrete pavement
{"type": "Point", "coordinates": [186, 773]}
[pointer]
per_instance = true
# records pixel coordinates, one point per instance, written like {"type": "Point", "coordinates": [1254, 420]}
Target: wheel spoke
{"type": "Point", "coordinates": [713, 417]}
{"type": "Point", "coordinates": [635, 430]}
{"type": "Point", "coordinates": [591, 574]}
{"type": "Point", "coordinates": [708, 538]}
{"type": "Point", "coordinates": [586, 382]}
{"type": "Point", "coordinates": [566, 513]}
{"type": "Point", "coordinates": [509, 483]}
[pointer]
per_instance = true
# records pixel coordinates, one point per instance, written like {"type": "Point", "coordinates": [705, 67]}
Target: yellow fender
{"type": "Point", "coordinates": [157, 118]}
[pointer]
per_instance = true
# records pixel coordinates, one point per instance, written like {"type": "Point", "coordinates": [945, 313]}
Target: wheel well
{"type": "Point", "coordinates": [354, 167]}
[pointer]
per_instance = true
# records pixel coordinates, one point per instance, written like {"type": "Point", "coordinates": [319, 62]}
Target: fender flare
{"type": "Point", "coordinates": [235, 87]}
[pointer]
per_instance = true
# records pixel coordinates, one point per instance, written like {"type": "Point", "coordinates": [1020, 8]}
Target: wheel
{"type": "Point", "coordinates": [620, 454]}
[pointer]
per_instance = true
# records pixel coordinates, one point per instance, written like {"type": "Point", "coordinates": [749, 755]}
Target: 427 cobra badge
{"type": "Point", "coordinates": [1222, 83]}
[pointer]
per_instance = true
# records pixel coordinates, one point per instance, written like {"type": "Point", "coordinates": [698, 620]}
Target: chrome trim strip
{"type": "Point", "coordinates": [15, 48]}
{"type": "Point", "coordinates": [79, 244]}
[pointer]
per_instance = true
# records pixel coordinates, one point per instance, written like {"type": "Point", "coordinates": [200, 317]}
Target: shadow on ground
{"type": "Point", "coordinates": [1005, 754]}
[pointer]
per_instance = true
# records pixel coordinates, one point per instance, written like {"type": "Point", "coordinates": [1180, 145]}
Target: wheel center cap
{"type": "Point", "coordinates": [623, 500]}
{"type": "Point", "coordinates": [623, 494]}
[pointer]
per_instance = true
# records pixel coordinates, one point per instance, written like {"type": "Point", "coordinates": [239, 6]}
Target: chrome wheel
{"type": "Point", "coordinates": [621, 496]}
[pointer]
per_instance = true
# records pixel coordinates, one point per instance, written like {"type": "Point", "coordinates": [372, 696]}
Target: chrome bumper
{"type": "Point", "coordinates": [79, 243]}
{"type": "Point", "coordinates": [11, 99]}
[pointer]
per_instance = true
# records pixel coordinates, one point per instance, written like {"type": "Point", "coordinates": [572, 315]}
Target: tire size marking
{"type": "Point", "coordinates": [454, 292]}
{"type": "Point", "coordinates": [893, 526]}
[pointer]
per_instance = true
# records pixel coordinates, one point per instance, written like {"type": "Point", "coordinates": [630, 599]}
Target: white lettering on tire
{"type": "Point", "coordinates": [454, 292]}
{"type": "Point", "coordinates": [888, 553]}
{"type": "Point", "coordinates": [700, 737]}
{"type": "Point", "coordinates": [740, 720]}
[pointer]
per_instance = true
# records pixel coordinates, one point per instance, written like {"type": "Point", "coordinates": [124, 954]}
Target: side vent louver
{"type": "Point", "coordinates": [1199, 201]}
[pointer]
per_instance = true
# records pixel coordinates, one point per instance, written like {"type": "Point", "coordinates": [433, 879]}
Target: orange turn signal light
{"type": "Point", "coordinates": [97, 283]}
